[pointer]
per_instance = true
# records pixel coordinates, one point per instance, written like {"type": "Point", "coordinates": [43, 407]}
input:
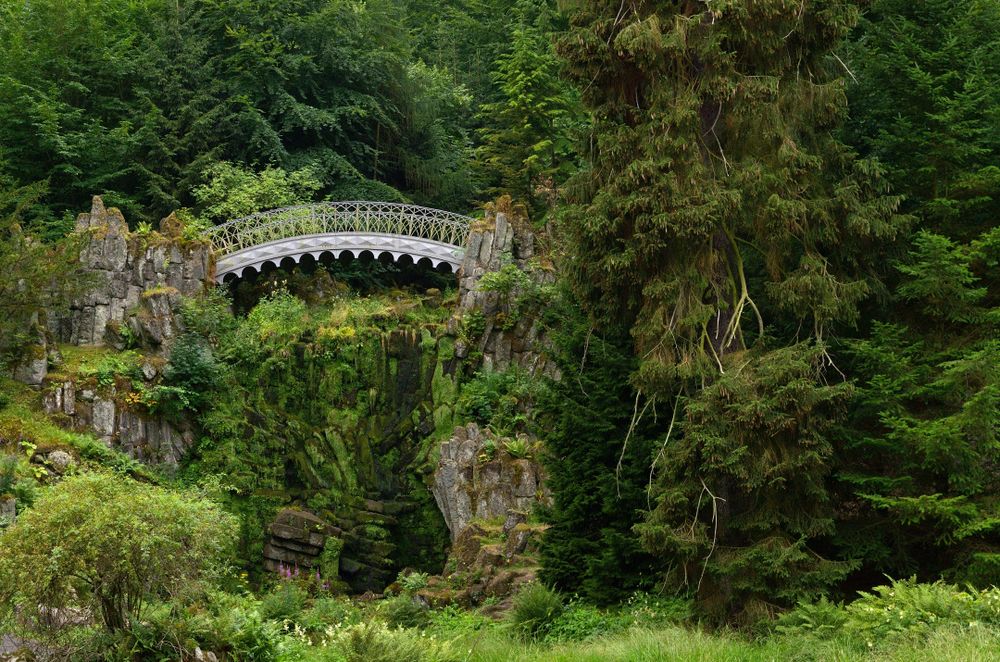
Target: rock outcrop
{"type": "Point", "coordinates": [102, 412]}
{"type": "Point", "coordinates": [494, 243]}
{"type": "Point", "coordinates": [141, 279]}
{"type": "Point", "coordinates": [488, 561]}
{"type": "Point", "coordinates": [477, 479]}
{"type": "Point", "coordinates": [297, 539]}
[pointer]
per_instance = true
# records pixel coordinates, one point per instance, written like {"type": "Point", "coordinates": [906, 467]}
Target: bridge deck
{"type": "Point", "coordinates": [338, 227]}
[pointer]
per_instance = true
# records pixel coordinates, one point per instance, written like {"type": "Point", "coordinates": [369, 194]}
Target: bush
{"type": "Point", "coordinates": [500, 400]}
{"type": "Point", "coordinates": [904, 610]}
{"type": "Point", "coordinates": [222, 623]}
{"type": "Point", "coordinates": [326, 612]}
{"type": "Point", "coordinates": [579, 621]}
{"type": "Point", "coordinates": [404, 611]}
{"type": "Point", "coordinates": [413, 581]}
{"type": "Point", "coordinates": [107, 545]}
{"type": "Point", "coordinates": [192, 369]}
{"type": "Point", "coordinates": [285, 602]}
{"type": "Point", "coordinates": [125, 365]}
{"type": "Point", "coordinates": [534, 610]}
{"type": "Point", "coordinates": [518, 448]}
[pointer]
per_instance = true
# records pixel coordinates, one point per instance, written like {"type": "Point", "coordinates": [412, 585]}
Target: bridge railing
{"type": "Point", "coordinates": [330, 217]}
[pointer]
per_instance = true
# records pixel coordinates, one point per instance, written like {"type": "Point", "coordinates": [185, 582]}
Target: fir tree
{"type": "Point", "coordinates": [918, 459]}
{"type": "Point", "coordinates": [713, 150]}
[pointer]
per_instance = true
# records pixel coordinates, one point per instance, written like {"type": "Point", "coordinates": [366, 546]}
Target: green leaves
{"type": "Point", "coordinates": [107, 544]}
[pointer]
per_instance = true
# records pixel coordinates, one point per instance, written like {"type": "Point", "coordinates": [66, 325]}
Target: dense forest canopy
{"type": "Point", "coordinates": [770, 236]}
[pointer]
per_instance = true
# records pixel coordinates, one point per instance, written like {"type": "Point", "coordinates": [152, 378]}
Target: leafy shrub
{"type": "Point", "coordinates": [909, 607]}
{"type": "Point", "coordinates": [192, 369]}
{"type": "Point", "coordinates": [108, 545]}
{"type": "Point", "coordinates": [654, 611]}
{"type": "Point", "coordinates": [453, 621]}
{"type": "Point", "coordinates": [905, 609]}
{"type": "Point", "coordinates": [209, 315]}
{"type": "Point", "coordinates": [4, 400]}
{"type": "Point", "coordinates": [580, 621]}
{"type": "Point", "coordinates": [534, 610]}
{"type": "Point", "coordinates": [325, 612]}
{"type": "Point", "coordinates": [414, 581]}
{"type": "Point", "coordinates": [403, 611]}
{"type": "Point", "coordinates": [276, 319]}
{"type": "Point", "coordinates": [500, 400]}
{"type": "Point", "coordinates": [285, 602]}
{"type": "Point", "coordinates": [823, 619]}
{"type": "Point", "coordinates": [125, 365]}
{"type": "Point", "coordinates": [222, 623]}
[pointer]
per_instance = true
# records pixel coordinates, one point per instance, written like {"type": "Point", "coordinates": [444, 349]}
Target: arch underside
{"type": "Point", "coordinates": [354, 243]}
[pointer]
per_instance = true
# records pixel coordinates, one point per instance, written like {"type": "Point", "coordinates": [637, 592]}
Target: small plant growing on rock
{"type": "Point", "coordinates": [518, 449]}
{"type": "Point", "coordinates": [413, 582]}
{"type": "Point", "coordinates": [488, 451]}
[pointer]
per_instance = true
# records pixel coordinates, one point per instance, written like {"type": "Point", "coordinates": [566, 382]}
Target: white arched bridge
{"type": "Point", "coordinates": [423, 234]}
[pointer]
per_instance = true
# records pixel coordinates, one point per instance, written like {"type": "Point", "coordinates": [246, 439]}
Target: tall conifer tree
{"type": "Point", "coordinates": [716, 194]}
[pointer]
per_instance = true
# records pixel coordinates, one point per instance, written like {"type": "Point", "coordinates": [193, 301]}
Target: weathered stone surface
{"type": "Point", "coordinates": [468, 486]}
{"type": "Point", "coordinates": [297, 538]}
{"type": "Point", "coordinates": [8, 509]}
{"type": "Point", "coordinates": [140, 282]}
{"type": "Point", "coordinates": [144, 438]}
{"type": "Point", "coordinates": [493, 243]}
{"type": "Point", "coordinates": [60, 461]}
{"type": "Point", "coordinates": [32, 372]}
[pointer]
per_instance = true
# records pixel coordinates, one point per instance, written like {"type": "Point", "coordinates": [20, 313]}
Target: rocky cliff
{"type": "Point", "coordinates": [478, 478]}
{"type": "Point", "coordinates": [141, 279]}
{"type": "Point", "coordinates": [506, 338]}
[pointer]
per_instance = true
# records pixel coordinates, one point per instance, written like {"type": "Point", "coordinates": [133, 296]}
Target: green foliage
{"type": "Point", "coordinates": [711, 152]}
{"type": "Point", "coordinates": [404, 611]}
{"type": "Point", "coordinates": [757, 435]}
{"type": "Point", "coordinates": [904, 610]}
{"type": "Point", "coordinates": [519, 448]}
{"type": "Point", "coordinates": [111, 367]}
{"type": "Point", "coordinates": [374, 642]}
{"type": "Point", "coordinates": [108, 544]}
{"type": "Point", "coordinates": [598, 481]}
{"type": "Point", "coordinates": [192, 370]}
{"type": "Point", "coordinates": [285, 602]}
{"type": "Point", "coordinates": [8, 474]}
{"type": "Point", "coordinates": [36, 278]}
{"type": "Point", "coordinates": [535, 610]}
{"type": "Point", "coordinates": [925, 104]}
{"type": "Point", "coordinates": [220, 622]}
{"type": "Point", "coordinates": [500, 400]}
{"type": "Point", "coordinates": [919, 454]}
{"type": "Point", "coordinates": [323, 95]}
{"type": "Point", "coordinates": [232, 192]}
{"type": "Point", "coordinates": [413, 581]}
{"type": "Point", "coordinates": [528, 139]}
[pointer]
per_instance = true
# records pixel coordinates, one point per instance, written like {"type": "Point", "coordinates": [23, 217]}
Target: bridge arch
{"type": "Point", "coordinates": [354, 227]}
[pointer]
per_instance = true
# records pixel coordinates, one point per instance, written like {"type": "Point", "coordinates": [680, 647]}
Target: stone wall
{"type": "Point", "coordinates": [141, 279]}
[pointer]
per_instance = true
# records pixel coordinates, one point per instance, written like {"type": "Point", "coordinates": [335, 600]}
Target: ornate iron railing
{"type": "Point", "coordinates": [331, 217]}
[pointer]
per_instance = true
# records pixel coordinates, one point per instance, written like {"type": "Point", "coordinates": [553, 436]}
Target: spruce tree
{"type": "Point", "coordinates": [716, 193]}
{"type": "Point", "coordinates": [589, 548]}
{"type": "Point", "coordinates": [917, 476]}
